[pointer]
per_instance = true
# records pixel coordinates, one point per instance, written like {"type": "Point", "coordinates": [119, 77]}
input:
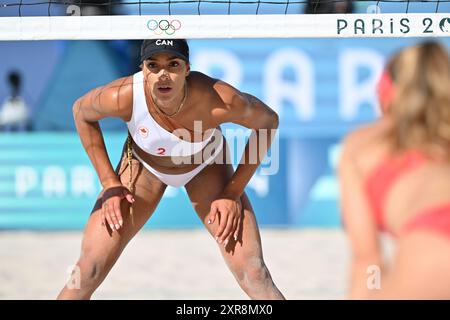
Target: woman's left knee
{"type": "Point", "coordinates": [253, 271]}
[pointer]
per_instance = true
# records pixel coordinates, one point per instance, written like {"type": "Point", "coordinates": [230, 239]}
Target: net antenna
{"type": "Point", "coordinates": [202, 19]}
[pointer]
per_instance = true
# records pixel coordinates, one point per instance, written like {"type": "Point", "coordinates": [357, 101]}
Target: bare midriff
{"type": "Point", "coordinates": [177, 164]}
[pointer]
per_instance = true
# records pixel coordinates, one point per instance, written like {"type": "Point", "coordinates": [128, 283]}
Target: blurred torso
{"type": "Point", "coordinates": [413, 191]}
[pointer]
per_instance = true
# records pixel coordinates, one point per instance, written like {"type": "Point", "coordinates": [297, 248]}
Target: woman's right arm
{"type": "Point", "coordinates": [112, 100]}
{"type": "Point", "coordinates": [359, 223]}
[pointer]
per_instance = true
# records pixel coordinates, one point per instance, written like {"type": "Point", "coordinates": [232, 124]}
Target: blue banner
{"type": "Point", "coordinates": [47, 182]}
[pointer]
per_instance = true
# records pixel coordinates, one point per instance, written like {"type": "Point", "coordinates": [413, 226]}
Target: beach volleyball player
{"type": "Point", "coordinates": [173, 117]}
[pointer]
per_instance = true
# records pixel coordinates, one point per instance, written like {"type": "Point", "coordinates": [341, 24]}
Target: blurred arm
{"type": "Point", "coordinates": [358, 221]}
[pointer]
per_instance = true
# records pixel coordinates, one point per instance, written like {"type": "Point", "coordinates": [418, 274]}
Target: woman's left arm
{"type": "Point", "coordinates": [248, 111]}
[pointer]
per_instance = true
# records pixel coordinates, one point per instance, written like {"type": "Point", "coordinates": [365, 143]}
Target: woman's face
{"type": "Point", "coordinates": [165, 75]}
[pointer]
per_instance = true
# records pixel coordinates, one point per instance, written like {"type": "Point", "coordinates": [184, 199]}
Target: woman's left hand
{"type": "Point", "coordinates": [230, 213]}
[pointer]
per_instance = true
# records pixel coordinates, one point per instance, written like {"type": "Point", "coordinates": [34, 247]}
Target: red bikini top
{"type": "Point", "coordinates": [381, 179]}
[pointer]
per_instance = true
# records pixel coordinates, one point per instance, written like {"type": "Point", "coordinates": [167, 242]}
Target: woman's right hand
{"type": "Point", "coordinates": [111, 200]}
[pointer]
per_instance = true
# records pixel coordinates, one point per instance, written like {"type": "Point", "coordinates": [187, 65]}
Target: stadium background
{"type": "Point", "coordinates": [321, 88]}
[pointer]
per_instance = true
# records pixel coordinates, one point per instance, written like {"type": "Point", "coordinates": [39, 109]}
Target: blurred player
{"type": "Point", "coordinates": [395, 177]}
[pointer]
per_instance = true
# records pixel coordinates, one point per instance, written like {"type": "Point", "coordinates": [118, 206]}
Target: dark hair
{"type": "Point", "coordinates": [15, 80]}
{"type": "Point", "coordinates": [328, 6]}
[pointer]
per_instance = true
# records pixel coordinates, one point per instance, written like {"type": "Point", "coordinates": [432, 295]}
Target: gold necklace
{"type": "Point", "coordinates": [179, 107]}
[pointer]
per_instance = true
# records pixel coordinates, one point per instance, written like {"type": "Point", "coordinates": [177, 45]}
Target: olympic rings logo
{"type": "Point", "coordinates": [163, 26]}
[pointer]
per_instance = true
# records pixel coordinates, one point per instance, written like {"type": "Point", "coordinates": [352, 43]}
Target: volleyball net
{"type": "Point", "coordinates": [138, 19]}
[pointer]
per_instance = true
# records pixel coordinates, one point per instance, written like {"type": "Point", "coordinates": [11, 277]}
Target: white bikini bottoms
{"type": "Point", "coordinates": [179, 180]}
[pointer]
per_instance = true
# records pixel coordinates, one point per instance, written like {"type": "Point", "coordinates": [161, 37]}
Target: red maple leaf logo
{"type": "Point", "coordinates": [143, 131]}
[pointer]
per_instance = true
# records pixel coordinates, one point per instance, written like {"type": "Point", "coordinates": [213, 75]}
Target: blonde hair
{"type": "Point", "coordinates": [421, 103]}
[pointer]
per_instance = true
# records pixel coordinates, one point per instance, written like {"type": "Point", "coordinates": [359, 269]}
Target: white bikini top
{"type": "Point", "coordinates": [149, 135]}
